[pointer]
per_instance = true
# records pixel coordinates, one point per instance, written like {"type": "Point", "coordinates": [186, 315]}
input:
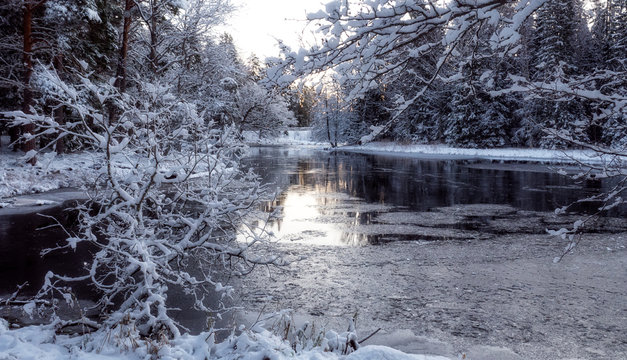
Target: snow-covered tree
{"type": "Point", "coordinates": [557, 24]}
{"type": "Point", "coordinates": [332, 118]}
{"type": "Point", "coordinates": [166, 208]}
{"type": "Point", "coordinates": [367, 111]}
{"type": "Point", "coordinates": [44, 34]}
{"type": "Point", "coordinates": [365, 41]}
{"type": "Point", "coordinates": [170, 197]}
{"type": "Point", "coordinates": [609, 33]}
{"type": "Point", "coordinates": [261, 110]}
{"type": "Point", "coordinates": [475, 120]}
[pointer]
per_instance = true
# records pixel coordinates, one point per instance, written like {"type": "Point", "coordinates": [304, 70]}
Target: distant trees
{"type": "Point", "coordinates": [130, 42]}
{"type": "Point", "coordinates": [487, 73]}
{"type": "Point", "coordinates": [302, 100]}
{"type": "Point", "coordinates": [609, 34]}
{"type": "Point", "coordinates": [331, 115]}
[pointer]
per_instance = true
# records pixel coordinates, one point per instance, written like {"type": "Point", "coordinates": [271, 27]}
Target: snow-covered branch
{"type": "Point", "coordinates": [166, 207]}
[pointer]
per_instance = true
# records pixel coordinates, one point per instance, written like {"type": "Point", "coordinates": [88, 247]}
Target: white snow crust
{"type": "Point", "coordinates": [293, 136]}
{"type": "Point", "coordinates": [520, 154]}
{"type": "Point", "coordinates": [40, 343]}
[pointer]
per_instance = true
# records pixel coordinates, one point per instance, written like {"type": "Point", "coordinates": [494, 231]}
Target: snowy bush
{"type": "Point", "coordinates": [307, 336]}
{"type": "Point", "coordinates": [164, 210]}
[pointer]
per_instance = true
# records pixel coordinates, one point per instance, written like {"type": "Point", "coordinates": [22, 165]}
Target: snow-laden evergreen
{"type": "Point", "coordinates": [474, 73]}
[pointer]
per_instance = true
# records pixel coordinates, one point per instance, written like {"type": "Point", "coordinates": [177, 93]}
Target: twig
{"type": "Point", "coordinates": [369, 336]}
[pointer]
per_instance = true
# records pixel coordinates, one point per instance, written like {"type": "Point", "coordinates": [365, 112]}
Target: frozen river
{"type": "Point", "coordinates": [447, 257]}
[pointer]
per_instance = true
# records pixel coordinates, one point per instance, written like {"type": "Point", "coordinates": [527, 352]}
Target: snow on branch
{"type": "Point", "coordinates": [163, 212]}
{"type": "Point", "coordinates": [365, 42]}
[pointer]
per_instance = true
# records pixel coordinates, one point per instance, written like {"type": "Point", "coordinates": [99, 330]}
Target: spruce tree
{"type": "Point", "coordinates": [555, 40]}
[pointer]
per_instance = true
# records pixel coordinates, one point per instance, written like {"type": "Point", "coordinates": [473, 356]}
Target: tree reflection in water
{"type": "Point", "coordinates": [325, 197]}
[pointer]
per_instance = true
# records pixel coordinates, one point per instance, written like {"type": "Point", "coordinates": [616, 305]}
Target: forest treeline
{"type": "Point", "coordinates": [445, 75]}
{"type": "Point", "coordinates": [133, 46]}
{"type": "Point", "coordinates": [423, 87]}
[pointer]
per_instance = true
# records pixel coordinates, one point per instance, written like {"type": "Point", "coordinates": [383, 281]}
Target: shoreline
{"type": "Point", "coordinates": [440, 151]}
{"type": "Point", "coordinates": [55, 174]}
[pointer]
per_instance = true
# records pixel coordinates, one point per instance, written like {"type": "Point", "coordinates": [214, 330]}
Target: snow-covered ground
{"type": "Point", "coordinates": [296, 136]}
{"type": "Point", "coordinates": [41, 343]}
{"type": "Point", "coordinates": [304, 137]}
{"type": "Point", "coordinates": [518, 154]}
{"type": "Point", "coordinates": [51, 172]}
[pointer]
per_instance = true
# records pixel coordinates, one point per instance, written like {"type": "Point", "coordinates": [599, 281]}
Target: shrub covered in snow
{"type": "Point", "coordinates": [164, 208]}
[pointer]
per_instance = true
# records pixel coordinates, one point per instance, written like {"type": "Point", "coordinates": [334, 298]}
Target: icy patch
{"type": "Point", "coordinates": [431, 219]}
{"type": "Point", "coordinates": [407, 341]}
{"type": "Point", "coordinates": [374, 352]}
{"type": "Point", "coordinates": [478, 210]}
{"type": "Point", "coordinates": [33, 203]}
{"type": "Point", "coordinates": [492, 353]}
{"type": "Point", "coordinates": [417, 232]}
{"type": "Point", "coordinates": [358, 208]}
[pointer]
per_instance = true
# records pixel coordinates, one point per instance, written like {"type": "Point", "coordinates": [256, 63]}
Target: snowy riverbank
{"type": "Point", "coordinates": [54, 171]}
{"type": "Point", "coordinates": [303, 137]}
{"type": "Point", "coordinates": [51, 172]}
{"type": "Point", "coordinates": [513, 154]}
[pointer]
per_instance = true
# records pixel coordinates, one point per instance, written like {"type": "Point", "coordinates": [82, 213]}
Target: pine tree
{"type": "Point", "coordinates": [555, 39]}
{"type": "Point", "coordinates": [617, 32]}
{"type": "Point", "coordinates": [301, 103]}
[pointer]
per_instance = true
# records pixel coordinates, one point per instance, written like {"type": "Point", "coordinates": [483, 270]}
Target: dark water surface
{"type": "Point", "coordinates": [421, 184]}
{"type": "Point", "coordinates": [323, 197]}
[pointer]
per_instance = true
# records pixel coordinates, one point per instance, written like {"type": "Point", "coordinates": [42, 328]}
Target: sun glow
{"type": "Point", "coordinates": [258, 25]}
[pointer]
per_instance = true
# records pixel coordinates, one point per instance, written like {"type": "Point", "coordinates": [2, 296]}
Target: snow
{"type": "Point", "coordinates": [520, 154]}
{"type": "Point", "coordinates": [291, 136]}
{"type": "Point", "coordinates": [93, 15]}
{"type": "Point", "coordinates": [41, 343]}
{"type": "Point", "coordinates": [303, 136]}
{"type": "Point", "coordinates": [50, 172]}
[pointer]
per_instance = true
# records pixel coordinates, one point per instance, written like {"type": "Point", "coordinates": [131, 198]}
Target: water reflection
{"type": "Point", "coordinates": [298, 221]}
{"type": "Point", "coordinates": [324, 197]}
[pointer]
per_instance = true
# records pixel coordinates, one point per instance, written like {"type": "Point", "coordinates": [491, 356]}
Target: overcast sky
{"type": "Point", "coordinates": [258, 22]}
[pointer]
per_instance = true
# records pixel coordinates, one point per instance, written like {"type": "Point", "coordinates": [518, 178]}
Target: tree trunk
{"type": "Point", "coordinates": [28, 145]}
{"type": "Point", "coordinates": [153, 38]}
{"type": "Point", "coordinates": [59, 111]}
{"type": "Point", "coordinates": [14, 136]}
{"type": "Point", "coordinates": [326, 105]}
{"type": "Point", "coordinates": [120, 80]}
{"type": "Point", "coordinates": [120, 74]}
